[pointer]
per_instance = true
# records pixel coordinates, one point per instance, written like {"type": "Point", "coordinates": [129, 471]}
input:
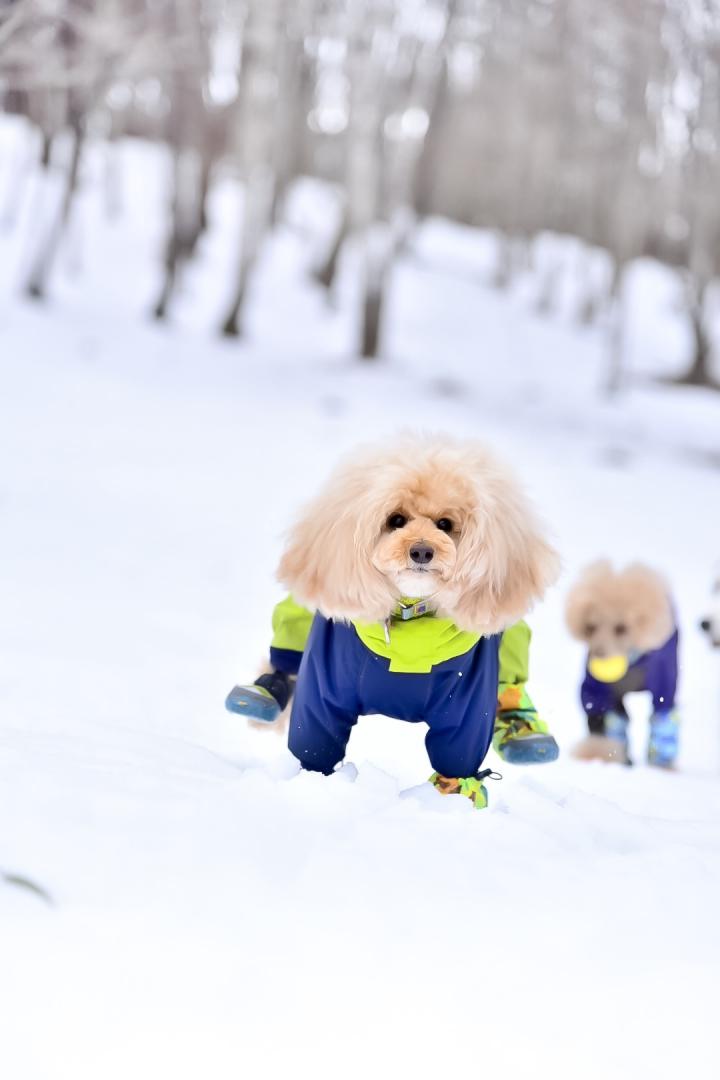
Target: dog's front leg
{"type": "Point", "coordinates": [324, 709]}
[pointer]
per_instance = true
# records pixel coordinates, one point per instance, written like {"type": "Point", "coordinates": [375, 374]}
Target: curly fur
{"type": "Point", "coordinates": [616, 611]}
{"type": "Point", "coordinates": [343, 560]}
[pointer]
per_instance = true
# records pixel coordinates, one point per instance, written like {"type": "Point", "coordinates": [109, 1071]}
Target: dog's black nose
{"type": "Point", "coordinates": [705, 625]}
{"type": "Point", "coordinates": [421, 553]}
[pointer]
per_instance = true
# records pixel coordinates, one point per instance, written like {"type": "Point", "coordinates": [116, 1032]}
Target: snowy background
{"type": "Point", "coordinates": [211, 912]}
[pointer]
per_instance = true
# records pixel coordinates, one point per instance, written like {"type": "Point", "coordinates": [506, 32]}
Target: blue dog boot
{"type": "Point", "coordinates": [616, 729]}
{"type": "Point", "coordinates": [265, 700]}
{"type": "Point", "coordinates": [254, 702]}
{"type": "Point", "coordinates": [533, 749]}
{"type": "Point", "coordinates": [664, 739]}
{"type": "Point", "coordinates": [522, 738]}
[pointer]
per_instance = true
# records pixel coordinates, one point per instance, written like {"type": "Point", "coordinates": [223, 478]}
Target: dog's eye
{"type": "Point", "coordinates": [620, 628]}
{"type": "Point", "coordinates": [589, 629]}
{"type": "Point", "coordinates": [444, 525]}
{"type": "Point", "coordinates": [396, 521]}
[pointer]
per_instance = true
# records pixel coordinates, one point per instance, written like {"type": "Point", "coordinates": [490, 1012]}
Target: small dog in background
{"type": "Point", "coordinates": [710, 623]}
{"type": "Point", "coordinates": [627, 621]}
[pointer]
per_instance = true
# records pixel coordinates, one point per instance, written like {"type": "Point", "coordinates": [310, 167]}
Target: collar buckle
{"type": "Point", "coordinates": [412, 611]}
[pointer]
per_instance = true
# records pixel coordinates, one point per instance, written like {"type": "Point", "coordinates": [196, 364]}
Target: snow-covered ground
{"type": "Point", "coordinates": [214, 913]}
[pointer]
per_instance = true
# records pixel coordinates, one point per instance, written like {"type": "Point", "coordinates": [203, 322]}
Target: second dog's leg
{"type": "Point", "coordinates": [607, 737]}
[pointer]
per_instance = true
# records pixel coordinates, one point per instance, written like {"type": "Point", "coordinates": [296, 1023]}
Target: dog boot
{"type": "Point", "coordinates": [265, 699]}
{"type": "Point", "coordinates": [664, 737]}
{"type": "Point", "coordinates": [470, 786]}
{"type": "Point", "coordinates": [522, 738]}
{"type": "Point", "coordinates": [615, 738]}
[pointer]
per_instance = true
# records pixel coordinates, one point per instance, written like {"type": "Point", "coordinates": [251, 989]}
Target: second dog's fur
{"type": "Point", "coordinates": [617, 613]}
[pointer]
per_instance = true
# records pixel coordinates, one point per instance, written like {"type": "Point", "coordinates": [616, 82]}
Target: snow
{"type": "Point", "coordinates": [214, 911]}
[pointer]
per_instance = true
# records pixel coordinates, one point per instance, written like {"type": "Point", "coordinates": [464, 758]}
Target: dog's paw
{"type": "Point", "coordinates": [277, 727]}
{"type": "Point", "coordinates": [601, 748]}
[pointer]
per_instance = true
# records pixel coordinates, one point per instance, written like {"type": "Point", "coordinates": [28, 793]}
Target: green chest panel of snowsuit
{"type": "Point", "coordinates": [416, 645]}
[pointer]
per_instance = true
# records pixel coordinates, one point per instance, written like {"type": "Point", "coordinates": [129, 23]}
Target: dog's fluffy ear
{"type": "Point", "coordinates": [646, 596]}
{"type": "Point", "coordinates": [327, 564]}
{"type": "Point", "coordinates": [584, 593]}
{"type": "Point", "coordinates": [505, 562]}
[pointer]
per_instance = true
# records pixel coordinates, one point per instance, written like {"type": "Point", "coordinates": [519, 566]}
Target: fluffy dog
{"type": "Point", "coordinates": [626, 620]}
{"type": "Point", "coordinates": [710, 623]}
{"type": "Point", "coordinates": [415, 557]}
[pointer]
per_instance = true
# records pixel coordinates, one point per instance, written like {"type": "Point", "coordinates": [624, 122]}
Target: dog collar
{"type": "Point", "coordinates": [411, 609]}
{"type": "Point", "coordinates": [407, 609]}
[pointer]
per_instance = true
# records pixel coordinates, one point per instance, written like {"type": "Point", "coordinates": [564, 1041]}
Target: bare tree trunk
{"type": "Point", "coordinates": [378, 256]}
{"type": "Point", "coordinates": [181, 225]}
{"type": "Point", "coordinates": [256, 219]}
{"type": "Point", "coordinates": [550, 277]}
{"type": "Point", "coordinates": [36, 286]}
{"type": "Point", "coordinates": [206, 165]}
{"type": "Point", "coordinates": [289, 118]}
{"type": "Point", "coordinates": [512, 256]}
{"type": "Point", "coordinates": [590, 303]}
{"type": "Point", "coordinates": [189, 218]}
{"type": "Point", "coordinates": [46, 149]}
{"type": "Point", "coordinates": [372, 312]}
{"type": "Point", "coordinates": [616, 337]}
{"type": "Point", "coordinates": [429, 159]}
{"type": "Point", "coordinates": [378, 260]}
{"type": "Point", "coordinates": [700, 372]}
{"type": "Point", "coordinates": [325, 273]}
{"type": "Point", "coordinates": [596, 280]}
{"type": "Point", "coordinates": [588, 308]}
{"type": "Point", "coordinates": [256, 118]}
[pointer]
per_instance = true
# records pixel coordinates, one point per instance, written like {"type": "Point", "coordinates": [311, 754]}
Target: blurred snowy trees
{"type": "Point", "coordinates": [598, 120]}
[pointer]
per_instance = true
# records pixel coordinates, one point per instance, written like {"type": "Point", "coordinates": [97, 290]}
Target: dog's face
{"type": "Point", "coordinates": [421, 519]}
{"type": "Point", "coordinates": [619, 613]}
{"type": "Point", "coordinates": [417, 543]}
{"type": "Point", "coordinates": [710, 623]}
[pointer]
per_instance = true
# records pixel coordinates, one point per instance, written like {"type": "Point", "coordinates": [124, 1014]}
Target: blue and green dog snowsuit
{"type": "Point", "coordinates": [417, 669]}
{"type": "Point", "coordinates": [655, 671]}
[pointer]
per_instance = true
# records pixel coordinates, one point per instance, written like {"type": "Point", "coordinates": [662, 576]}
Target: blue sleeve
{"type": "Point", "coordinates": [324, 706]}
{"type": "Point", "coordinates": [662, 674]}
{"type": "Point", "coordinates": [597, 697]}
